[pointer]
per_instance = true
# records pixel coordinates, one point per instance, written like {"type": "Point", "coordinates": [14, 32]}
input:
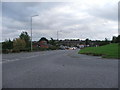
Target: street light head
{"type": "Point", "coordinates": [34, 15]}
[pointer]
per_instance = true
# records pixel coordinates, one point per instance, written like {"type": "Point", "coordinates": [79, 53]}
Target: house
{"type": "Point", "coordinates": [43, 43]}
{"type": "Point", "coordinates": [81, 46]}
{"type": "Point", "coordinates": [70, 42]}
{"type": "Point", "coordinates": [35, 44]}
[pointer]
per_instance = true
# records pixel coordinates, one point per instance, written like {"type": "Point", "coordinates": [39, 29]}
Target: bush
{"type": "Point", "coordinates": [39, 49]}
{"type": "Point", "coordinates": [19, 44]}
{"type": "Point", "coordinates": [53, 48]}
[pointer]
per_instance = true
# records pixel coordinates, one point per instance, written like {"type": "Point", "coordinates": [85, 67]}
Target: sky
{"type": "Point", "coordinates": [73, 20]}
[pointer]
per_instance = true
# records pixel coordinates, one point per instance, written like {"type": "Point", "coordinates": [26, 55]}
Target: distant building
{"type": "Point", "coordinates": [70, 42]}
{"type": "Point", "coordinates": [43, 42]}
{"type": "Point", "coordinates": [35, 44]}
{"type": "Point", "coordinates": [81, 46]}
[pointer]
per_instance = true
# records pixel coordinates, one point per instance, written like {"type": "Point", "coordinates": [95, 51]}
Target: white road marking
{"type": "Point", "coordinates": [17, 59]}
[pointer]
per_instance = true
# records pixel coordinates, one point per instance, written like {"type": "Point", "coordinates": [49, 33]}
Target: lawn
{"type": "Point", "coordinates": [106, 51]}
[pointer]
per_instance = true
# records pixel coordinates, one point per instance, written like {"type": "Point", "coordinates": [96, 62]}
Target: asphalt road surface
{"type": "Point", "coordinates": [58, 69]}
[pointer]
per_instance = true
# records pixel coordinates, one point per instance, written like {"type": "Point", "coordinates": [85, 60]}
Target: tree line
{"type": "Point", "coordinates": [23, 43]}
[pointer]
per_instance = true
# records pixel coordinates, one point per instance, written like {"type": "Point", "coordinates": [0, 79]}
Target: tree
{"type": "Point", "coordinates": [52, 42]}
{"type": "Point", "coordinates": [87, 41]}
{"type": "Point", "coordinates": [106, 40]}
{"type": "Point", "coordinates": [8, 44]}
{"type": "Point", "coordinates": [43, 39]}
{"type": "Point", "coordinates": [118, 39]}
{"type": "Point", "coordinates": [24, 36]}
{"type": "Point", "coordinates": [114, 39]}
{"type": "Point", "coordinates": [19, 44]}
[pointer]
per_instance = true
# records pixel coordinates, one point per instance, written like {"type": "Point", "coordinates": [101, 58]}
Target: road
{"type": "Point", "coordinates": [58, 69]}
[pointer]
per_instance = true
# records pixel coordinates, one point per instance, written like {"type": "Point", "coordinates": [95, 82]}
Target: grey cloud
{"type": "Point", "coordinates": [23, 10]}
{"type": "Point", "coordinates": [108, 11]}
{"type": "Point", "coordinates": [17, 11]}
{"type": "Point", "coordinates": [52, 17]}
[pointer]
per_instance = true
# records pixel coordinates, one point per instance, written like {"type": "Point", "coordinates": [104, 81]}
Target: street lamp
{"type": "Point", "coordinates": [31, 30]}
{"type": "Point", "coordinates": [58, 34]}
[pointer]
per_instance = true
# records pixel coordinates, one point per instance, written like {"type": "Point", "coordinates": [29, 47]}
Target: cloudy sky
{"type": "Point", "coordinates": [73, 20]}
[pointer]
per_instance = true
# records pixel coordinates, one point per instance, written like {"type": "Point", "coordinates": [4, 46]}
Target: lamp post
{"type": "Point", "coordinates": [58, 34]}
{"type": "Point", "coordinates": [31, 30]}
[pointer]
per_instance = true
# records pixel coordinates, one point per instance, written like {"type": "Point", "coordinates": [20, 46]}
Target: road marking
{"type": "Point", "coordinates": [30, 56]}
{"type": "Point", "coordinates": [22, 58]}
{"type": "Point", "coordinates": [8, 60]}
{"type": "Point", "coordinates": [17, 59]}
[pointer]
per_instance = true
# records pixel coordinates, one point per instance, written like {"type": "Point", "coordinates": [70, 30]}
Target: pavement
{"type": "Point", "coordinates": [58, 69]}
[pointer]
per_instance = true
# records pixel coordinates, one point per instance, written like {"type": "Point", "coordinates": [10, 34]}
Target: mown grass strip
{"type": "Point", "coordinates": [106, 51]}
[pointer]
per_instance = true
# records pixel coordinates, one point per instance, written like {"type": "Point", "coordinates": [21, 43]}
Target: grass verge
{"type": "Point", "coordinates": [106, 51]}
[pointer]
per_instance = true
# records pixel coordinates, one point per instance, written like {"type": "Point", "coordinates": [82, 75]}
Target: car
{"type": "Point", "coordinates": [72, 48]}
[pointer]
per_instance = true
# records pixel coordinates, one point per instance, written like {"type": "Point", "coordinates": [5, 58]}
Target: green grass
{"type": "Point", "coordinates": [106, 51]}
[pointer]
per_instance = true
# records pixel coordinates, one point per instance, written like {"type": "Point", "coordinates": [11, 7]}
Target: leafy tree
{"type": "Point", "coordinates": [19, 44]}
{"type": "Point", "coordinates": [118, 39]}
{"type": "Point", "coordinates": [8, 44]}
{"type": "Point", "coordinates": [52, 42]}
{"type": "Point", "coordinates": [87, 41]}
{"type": "Point", "coordinates": [24, 36]}
{"type": "Point", "coordinates": [106, 40]}
{"type": "Point", "coordinates": [114, 39]}
{"type": "Point", "coordinates": [43, 39]}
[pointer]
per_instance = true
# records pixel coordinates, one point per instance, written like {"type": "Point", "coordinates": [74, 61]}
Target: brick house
{"type": "Point", "coordinates": [43, 43]}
